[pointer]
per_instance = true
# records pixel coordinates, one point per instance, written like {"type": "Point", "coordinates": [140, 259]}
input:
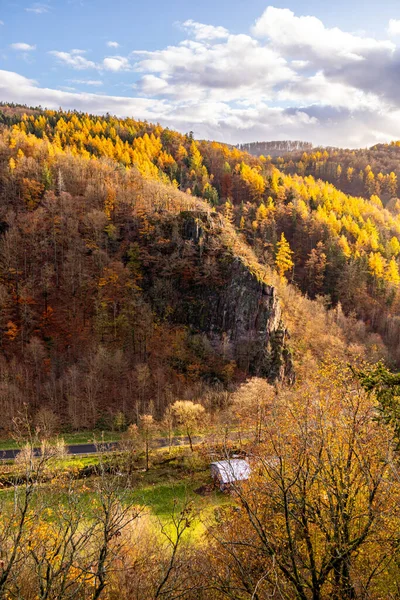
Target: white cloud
{"type": "Point", "coordinates": [27, 91]}
{"type": "Point", "coordinates": [356, 61]}
{"type": "Point", "coordinates": [38, 8]}
{"type": "Point", "coordinates": [299, 64]}
{"type": "Point", "coordinates": [1, 22]}
{"type": "Point", "coordinates": [307, 38]}
{"type": "Point", "coordinates": [218, 119]}
{"type": "Point", "coordinates": [293, 78]}
{"type": "Point", "coordinates": [22, 47]}
{"type": "Point", "coordinates": [394, 27]}
{"type": "Point", "coordinates": [152, 85]}
{"type": "Point", "coordinates": [73, 59]}
{"type": "Point", "coordinates": [91, 82]}
{"type": "Point", "coordinates": [202, 32]}
{"type": "Point", "coordinates": [329, 93]}
{"type": "Point", "coordinates": [239, 66]}
{"type": "Point", "coordinates": [113, 44]}
{"type": "Point", "coordinates": [116, 63]}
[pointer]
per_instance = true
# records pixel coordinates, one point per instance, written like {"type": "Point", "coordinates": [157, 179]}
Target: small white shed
{"type": "Point", "coordinates": [226, 472]}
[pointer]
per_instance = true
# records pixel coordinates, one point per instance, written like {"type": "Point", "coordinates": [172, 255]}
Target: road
{"type": "Point", "coordinates": [72, 449]}
{"type": "Point", "coordinates": [82, 449]}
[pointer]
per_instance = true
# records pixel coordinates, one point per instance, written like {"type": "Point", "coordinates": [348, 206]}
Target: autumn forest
{"type": "Point", "coordinates": [243, 301]}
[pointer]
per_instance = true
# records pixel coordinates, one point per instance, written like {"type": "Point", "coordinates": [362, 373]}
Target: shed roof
{"type": "Point", "coordinates": [235, 469]}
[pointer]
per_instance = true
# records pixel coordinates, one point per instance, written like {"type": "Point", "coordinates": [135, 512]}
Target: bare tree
{"type": "Point", "coordinates": [171, 584]}
{"type": "Point", "coordinates": [18, 519]}
{"type": "Point", "coordinates": [113, 511]}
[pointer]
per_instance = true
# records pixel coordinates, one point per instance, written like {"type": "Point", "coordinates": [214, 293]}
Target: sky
{"type": "Point", "coordinates": [231, 70]}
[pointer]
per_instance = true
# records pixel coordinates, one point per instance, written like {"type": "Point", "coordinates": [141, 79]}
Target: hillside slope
{"type": "Point", "coordinates": [364, 172]}
{"type": "Point", "coordinates": [102, 314]}
{"type": "Point", "coordinates": [120, 293]}
{"type": "Point", "coordinates": [346, 248]}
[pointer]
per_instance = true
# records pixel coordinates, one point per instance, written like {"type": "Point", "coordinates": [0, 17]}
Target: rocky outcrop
{"type": "Point", "coordinates": [211, 290]}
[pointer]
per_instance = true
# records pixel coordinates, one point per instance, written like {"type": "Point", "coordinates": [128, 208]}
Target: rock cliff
{"type": "Point", "coordinates": [202, 284]}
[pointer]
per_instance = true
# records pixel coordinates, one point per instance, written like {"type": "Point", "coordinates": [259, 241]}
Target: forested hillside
{"type": "Point", "coordinates": [345, 248]}
{"type": "Point", "coordinates": [199, 300]}
{"type": "Point", "coordinates": [119, 292]}
{"type": "Point", "coordinates": [366, 172]}
{"type": "Point", "coordinates": [156, 285]}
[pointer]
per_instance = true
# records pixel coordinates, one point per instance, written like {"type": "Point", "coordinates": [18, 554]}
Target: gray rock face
{"type": "Point", "coordinates": [247, 311]}
{"type": "Point", "coordinates": [214, 293]}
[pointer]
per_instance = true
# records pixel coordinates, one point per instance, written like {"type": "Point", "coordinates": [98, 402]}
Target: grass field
{"type": "Point", "coordinates": [163, 499]}
{"type": "Point", "coordinates": [173, 480]}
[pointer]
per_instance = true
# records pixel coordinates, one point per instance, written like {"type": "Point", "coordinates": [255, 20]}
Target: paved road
{"type": "Point", "coordinates": [73, 449]}
{"type": "Point", "coordinates": [79, 449]}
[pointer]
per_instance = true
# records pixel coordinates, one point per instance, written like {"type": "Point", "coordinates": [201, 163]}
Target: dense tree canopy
{"type": "Point", "coordinates": [87, 211]}
{"type": "Point", "coordinates": [144, 288]}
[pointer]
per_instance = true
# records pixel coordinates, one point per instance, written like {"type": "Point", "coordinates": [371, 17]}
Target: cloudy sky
{"type": "Point", "coordinates": [232, 70]}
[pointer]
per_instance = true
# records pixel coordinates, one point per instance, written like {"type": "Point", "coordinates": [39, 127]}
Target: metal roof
{"type": "Point", "coordinates": [235, 469]}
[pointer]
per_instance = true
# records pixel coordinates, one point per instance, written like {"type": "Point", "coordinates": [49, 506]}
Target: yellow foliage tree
{"type": "Point", "coordinates": [392, 272]}
{"type": "Point", "coordinates": [254, 181]}
{"type": "Point", "coordinates": [376, 264]}
{"type": "Point", "coordinates": [283, 258]}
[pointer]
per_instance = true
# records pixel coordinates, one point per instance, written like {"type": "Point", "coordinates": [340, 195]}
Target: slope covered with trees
{"type": "Point", "coordinates": [345, 247]}
{"type": "Point", "coordinates": [120, 293]}
{"type": "Point", "coordinates": [152, 283]}
{"type": "Point", "coordinates": [365, 172]}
